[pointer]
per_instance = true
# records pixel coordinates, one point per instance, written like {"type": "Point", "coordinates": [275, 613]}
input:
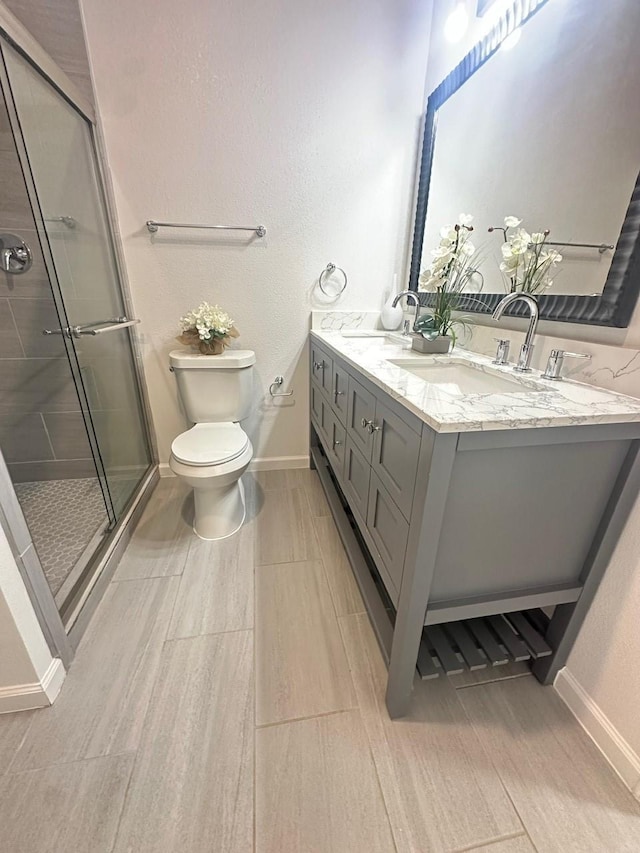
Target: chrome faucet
{"type": "Point", "coordinates": [526, 350]}
{"type": "Point", "coordinates": [416, 302]}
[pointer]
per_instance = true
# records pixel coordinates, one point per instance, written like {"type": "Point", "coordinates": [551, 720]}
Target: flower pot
{"type": "Point", "coordinates": [215, 346]}
{"type": "Point", "coordinates": [440, 345]}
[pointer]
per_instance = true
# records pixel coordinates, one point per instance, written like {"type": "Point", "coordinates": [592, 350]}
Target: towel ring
{"type": "Point", "coordinates": [328, 270]}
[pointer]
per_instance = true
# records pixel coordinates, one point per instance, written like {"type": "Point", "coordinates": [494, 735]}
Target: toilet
{"type": "Point", "coordinates": [212, 456]}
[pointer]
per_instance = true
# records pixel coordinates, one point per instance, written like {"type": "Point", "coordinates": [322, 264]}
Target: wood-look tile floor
{"type": "Point", "coordinates": [230, 697]}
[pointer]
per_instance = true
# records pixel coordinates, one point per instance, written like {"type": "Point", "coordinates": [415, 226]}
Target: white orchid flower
{"type": "Point", "coordinates": [538, 237]}
{"type": "Point", "coordinates": [511, 221]}
{"type": "Point", "coordinates": [465, 219]}
{"type": "Point", "coordinates": [448, 233]}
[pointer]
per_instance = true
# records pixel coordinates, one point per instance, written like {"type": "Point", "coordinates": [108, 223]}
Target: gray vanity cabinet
{"type": "Point", "coordinates": [479, 525]}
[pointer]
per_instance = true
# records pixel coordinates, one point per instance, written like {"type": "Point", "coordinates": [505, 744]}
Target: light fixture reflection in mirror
{"type": "Point", "coordinates": [456, 24]}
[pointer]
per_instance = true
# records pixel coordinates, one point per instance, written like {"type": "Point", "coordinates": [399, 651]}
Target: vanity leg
{"type": "Point", "coordinates": [437, 457]}
{"type": "Point", "coordinates": [568, 618]}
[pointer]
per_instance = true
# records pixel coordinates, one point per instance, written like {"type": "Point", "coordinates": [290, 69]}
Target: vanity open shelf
{"type": "Point", "coordinates": [483, 643]}
{"type": "Point", "coordinates": [457, 534]}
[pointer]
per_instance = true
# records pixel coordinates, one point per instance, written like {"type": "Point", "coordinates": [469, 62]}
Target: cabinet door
{"type": "Point", "coordinates": [388, 529]}
{"type": "Point", "coordinates": [339, 392]}
{"type": "Point", "coordinates": [315, 403]}
{"type": "Point", "coordinates": [322, 369]}
{"type": "Point", "coordinates": [361, 410]}
{"type": "Point", "coordinates": [356, 474]}
{"type": "Point", "coordinates": [396, 448]}
{"type": "Point", "coordinates": [336, 444]}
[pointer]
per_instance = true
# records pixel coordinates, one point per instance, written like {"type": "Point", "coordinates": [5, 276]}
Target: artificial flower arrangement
{"type": "Point", "coordinates": [528, 266]}
{"type": "Point", "coordinates": [454, 264]}
{"type": "Point", "coordinates": [207, 328]}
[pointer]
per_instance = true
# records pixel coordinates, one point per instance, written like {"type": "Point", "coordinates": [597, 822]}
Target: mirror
{"type": "Point", "coordinates": [547, 131]}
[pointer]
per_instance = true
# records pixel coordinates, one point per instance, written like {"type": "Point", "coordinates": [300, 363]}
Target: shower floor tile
{"type": "Point", "coordinates": [63, 516]}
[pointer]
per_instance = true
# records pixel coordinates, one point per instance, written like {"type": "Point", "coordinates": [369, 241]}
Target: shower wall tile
{"type": "Point", "coordinates": [9, 339]}
{"type": "Point", "coordinates": [37, 384]}
{"type": "Point", "coordinates": [23, 437]}
{"type": "Point", "coordinates": [32, 316]}
{"type": "Point", "coordinates": [15, 211]}
{"type": "Point", "coordinates": [6, 136]}
{"type": "Point", "coordinates": [68, 435]}
{"type": "Point", "coordinates": [122, 444]}
{"type": "Point", "coordinates": [32, 472]}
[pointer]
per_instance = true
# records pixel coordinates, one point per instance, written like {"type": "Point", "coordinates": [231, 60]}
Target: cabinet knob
{"type": "Point", "coordinates": [337, 394]}
{"type": "Point", "coordinates": [365, 423]}
{"type": "Point", "coordinates": [373, 427]}
{"type": "Point", "coordinates": [317, 365]}
{"type": "Point", "coordinates": [336, 443]}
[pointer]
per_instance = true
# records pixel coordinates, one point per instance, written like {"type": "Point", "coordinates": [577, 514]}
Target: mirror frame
{"type": "Point", "coordinates": [615, 305]}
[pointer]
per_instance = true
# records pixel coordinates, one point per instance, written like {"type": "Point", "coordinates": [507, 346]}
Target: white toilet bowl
{"type": "Point", "coordinates": [211, 458]}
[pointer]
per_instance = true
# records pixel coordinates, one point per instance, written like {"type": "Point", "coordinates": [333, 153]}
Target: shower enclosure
{"type": "Point", "coordinates": [74, 431]}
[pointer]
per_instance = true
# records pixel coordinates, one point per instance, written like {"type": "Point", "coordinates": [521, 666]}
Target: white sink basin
{"type": "Point", "coordinates": [381, 338]}
{"type": "Point", "coordinates": [459, 380]}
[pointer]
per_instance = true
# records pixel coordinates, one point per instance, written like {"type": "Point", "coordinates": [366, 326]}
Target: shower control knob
{"type": "Point", "coordinates": [15, 254]}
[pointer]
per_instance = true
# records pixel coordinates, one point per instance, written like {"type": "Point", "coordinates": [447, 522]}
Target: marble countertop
{"type": "Point", "coordinates": [539, 402]}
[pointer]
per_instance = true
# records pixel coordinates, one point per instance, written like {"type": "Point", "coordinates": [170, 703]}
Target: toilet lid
{"type": "Point", "coordinates": [210, 444]}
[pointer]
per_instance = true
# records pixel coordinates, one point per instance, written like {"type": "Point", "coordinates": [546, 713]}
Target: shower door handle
{"type": "Point", "coordinates": [97, 328]}
{"type": "Point", "coordinates": [103, 326]}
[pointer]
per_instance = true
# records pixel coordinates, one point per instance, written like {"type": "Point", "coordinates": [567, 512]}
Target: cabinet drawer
{"type": "Point", "coordinates": [356, 475]}
{"type": "Point", "coordinates": [322, 369]}
{"type": "Point", "coordinates": [388, 529]}
{"type": "Point", "coordinates": [396, 448]}
{"type": "Point", "coordinates": [339, 392]}
{"type": "Point", "coordinates": [361, 410]}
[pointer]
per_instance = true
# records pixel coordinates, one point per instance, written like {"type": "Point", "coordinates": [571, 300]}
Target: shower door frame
{"type": "Point", "coordinates": [63, 641]}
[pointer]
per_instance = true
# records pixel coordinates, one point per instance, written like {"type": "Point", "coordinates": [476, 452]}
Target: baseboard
{"type": "Point", "coordinates": [277, 463]}
{"type": "Point", "coordinates": [24, 697]}
{"type": "Point", "coordinates": [265, 463]}
{"type": "Point", "coordinates": [600, 729]}
{"type": "Point", "coordinates": [53, 679]}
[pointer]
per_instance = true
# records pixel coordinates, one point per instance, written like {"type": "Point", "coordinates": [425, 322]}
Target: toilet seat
{"type": "Point", "coordinates": [210, 444]}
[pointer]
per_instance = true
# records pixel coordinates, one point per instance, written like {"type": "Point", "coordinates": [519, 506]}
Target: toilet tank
{"type": "Point", "coordinates": [214, 388]}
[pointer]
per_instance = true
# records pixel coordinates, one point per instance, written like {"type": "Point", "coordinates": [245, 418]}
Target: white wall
{"type": "Point", "coordinates": [604, 658]}
{"type": "Point", "coordinates": [27, 668]}
{"type": "Point", "coordinates": [301, 116]}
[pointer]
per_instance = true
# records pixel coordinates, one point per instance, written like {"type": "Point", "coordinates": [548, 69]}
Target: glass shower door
{"type": "Point", "coordinates": [61, 157]}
